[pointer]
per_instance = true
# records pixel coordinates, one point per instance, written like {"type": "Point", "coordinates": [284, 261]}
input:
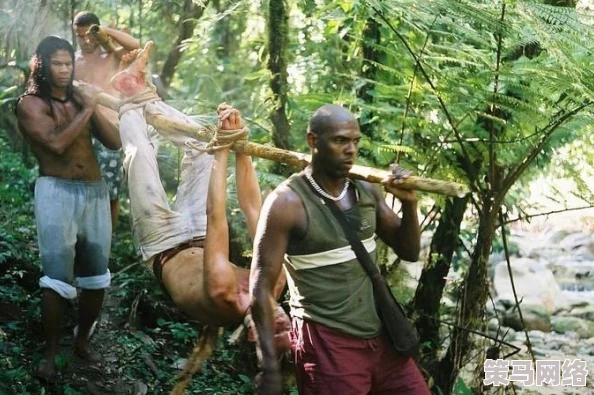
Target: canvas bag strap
{"type": "Point", "coordinates": [360, 251]}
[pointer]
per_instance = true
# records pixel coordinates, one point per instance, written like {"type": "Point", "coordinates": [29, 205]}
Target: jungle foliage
{"type": "Point", "coordinates": [490, 93]}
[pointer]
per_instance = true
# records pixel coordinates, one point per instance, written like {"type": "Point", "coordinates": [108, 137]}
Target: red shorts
{"type": "Point", "coordinates": [330, 362]}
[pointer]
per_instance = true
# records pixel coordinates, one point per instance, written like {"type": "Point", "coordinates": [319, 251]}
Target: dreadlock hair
{"type": "Point", "coordinates": [40, 79]}
{"type": "Point", "coordinates": [85, 18]}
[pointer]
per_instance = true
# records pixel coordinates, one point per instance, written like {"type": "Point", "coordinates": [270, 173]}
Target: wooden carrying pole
{"type": "Point", "coordinates": [296, 159]}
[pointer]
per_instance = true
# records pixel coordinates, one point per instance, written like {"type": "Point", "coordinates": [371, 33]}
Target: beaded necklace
{"type": "Point", "coordinates": [319, 189]}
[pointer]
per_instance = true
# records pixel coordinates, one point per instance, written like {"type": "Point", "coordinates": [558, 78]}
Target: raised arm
{"type": "Point", "coordinates": [41, 128]}
{"type": "Point", "coordinates": [275, 225]}
{"type": "Point", "coordinates": [402, 234]}
{"type": "Point", "coordinates": [248, 189]}
{"type": "Point", "coordinates": [126, 41]}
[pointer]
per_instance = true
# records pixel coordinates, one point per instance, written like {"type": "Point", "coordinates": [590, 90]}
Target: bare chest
{"type": "Point", "coordinates": [64, 112]}
{"type": "Point", "coordinates": [97, 71]}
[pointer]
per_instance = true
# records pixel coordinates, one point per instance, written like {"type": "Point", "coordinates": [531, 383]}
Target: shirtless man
{"type": "Point", "coordinates": [97, 66]}
{"type": "Point", "coordinates": [186, 243]}
{"type": "Point", "coordinates": [71, 200]}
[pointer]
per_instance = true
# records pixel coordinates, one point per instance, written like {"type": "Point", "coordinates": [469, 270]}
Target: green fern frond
{"type": "Point", "coordinates": [396, 148]}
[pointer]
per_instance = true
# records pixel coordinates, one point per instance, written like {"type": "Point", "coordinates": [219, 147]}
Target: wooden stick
{"type": "Point", "coordinates": [291, 158]}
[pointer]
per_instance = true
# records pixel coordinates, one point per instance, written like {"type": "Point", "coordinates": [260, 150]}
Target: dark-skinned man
{"type": "Point", "coordinates": [336, 338]}
{"type": "Point", "coordinates": [71, 199]}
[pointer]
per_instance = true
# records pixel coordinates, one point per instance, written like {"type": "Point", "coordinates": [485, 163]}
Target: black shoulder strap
{"type": "Point", "coordinates": [402, 334]}
{"type": "Point", "coordinates": [360, 251]}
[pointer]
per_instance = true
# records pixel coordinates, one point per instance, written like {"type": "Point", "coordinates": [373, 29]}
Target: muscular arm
{"type": "Point", "coordinates": [277, 219]}
{"type": "Point", "coordinates": [248, 191]}
{"type": "Point", "coordinates": [39, 126]}
{"type": "Point", "coordinates": [402, 234]}
{"type": "Point", "coordinates": [106, 131]}
{"type": "Point", "coordinates": [127, 42]}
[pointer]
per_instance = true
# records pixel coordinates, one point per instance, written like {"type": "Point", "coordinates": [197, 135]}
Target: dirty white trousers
{"type": "Point", "coordinates": [157, 225]}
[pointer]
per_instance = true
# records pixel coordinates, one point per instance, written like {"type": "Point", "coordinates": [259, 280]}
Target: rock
{"type": "Point", "coordinates": [584, 253]}
{"type": "Point", "coordinates": [510, 335]}
{"type": "Point", "coordinates": [589, 351]}
{"type": "Point", "coordinates": [534, 334]}
{"type": "Point", "coordinates": [575, 240]}
{"type": "Point", "coordinates": [504, 302]}
{"type": "Point", "coordinates": [536, 317]}
{"type": "Point", "coordinates": [534, 283]}
{"type": "Point", "coordinates": [584, 329]}
{"type": "Point", "coordinates": [179, 364]}
{"type": "Point", "coordinates": [553, 237]}
{"type": "Point", "coordinates": [140, 388]}
{"type": "Point", "coordinates": [555, 345]}
{"type": "Point", "coordinates": [585, 312]}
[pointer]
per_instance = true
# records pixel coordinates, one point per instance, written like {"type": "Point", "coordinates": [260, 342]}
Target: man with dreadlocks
{"type": "Point", "coordinates": [71, 199]}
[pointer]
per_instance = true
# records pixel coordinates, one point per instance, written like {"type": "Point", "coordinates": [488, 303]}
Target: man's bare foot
{"type": "Point", "coordinates": [46, 371]}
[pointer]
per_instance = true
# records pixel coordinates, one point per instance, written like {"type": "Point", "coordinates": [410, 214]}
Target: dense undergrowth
{"type": "Point", "coordinates": [142, 337]}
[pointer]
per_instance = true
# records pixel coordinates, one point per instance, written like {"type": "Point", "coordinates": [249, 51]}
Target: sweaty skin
{"type": "Point", "coordinates": [201, 281]}
{"type": "Point", "coordinates": [62, 145]}
{"type": "Point", "coordinates": [96, 66]}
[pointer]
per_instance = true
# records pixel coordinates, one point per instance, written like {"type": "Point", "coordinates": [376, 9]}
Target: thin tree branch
{"type": "Point", "coordinates": [550, 129]}
{"type": "Point", "coordinates": [410, 88]}
{"type": "Point", "coordinates": [479, 140]}
{"type": "Point", "coordinates": [524, 217]}
{"type": "Point", "coordinates": [432, 217]}
{"type": "Point", "coordinates": [500, 341]}
{"type": "Point", "coordinates": [511, 278]}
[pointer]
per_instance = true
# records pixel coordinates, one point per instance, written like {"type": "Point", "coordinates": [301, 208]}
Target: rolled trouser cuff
{"type": "Point", "coordinates": [63, 289]}
{"type": "Point", "coordinates": [101, 281]}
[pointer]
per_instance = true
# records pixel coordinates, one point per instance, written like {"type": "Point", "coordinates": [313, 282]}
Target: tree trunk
{"type": "Point", "coordinates": [278, 38]}
{"type": "Point", "coordinates": [371, 56]}
{"type": "Point", "coordinates": [430, 289]}
{"type": "Point", "coordinates": [187, 22]}
{"type": "Point", "coordinates": [473, 299]}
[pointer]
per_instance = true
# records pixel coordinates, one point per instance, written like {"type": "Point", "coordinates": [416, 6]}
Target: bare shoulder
{"type": "Point", "coordinates": [284, 207]}
{"type": "Point", "coordinates": [31, 105]}
{"type": "Point", "coordinates": [283, 198]}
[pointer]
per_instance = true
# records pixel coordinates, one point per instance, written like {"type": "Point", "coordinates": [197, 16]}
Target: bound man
{"type": "Point", "coordinates": [186, 243]}
{"type": "Point", "coordinates": [337, 338]}
{"type": "Point", "coordinates": [71, 199]}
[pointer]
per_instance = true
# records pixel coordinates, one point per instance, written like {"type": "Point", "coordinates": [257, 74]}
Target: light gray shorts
{"type": "Point", "coordinates": [74, 233]}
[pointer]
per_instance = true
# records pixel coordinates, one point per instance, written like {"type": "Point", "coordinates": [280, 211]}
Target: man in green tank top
{"type": "Point", "coordinates": [337, 340]}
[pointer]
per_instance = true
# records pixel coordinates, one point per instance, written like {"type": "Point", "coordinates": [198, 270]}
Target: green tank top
{"type": "Point", "coordinates": [327, 283]}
